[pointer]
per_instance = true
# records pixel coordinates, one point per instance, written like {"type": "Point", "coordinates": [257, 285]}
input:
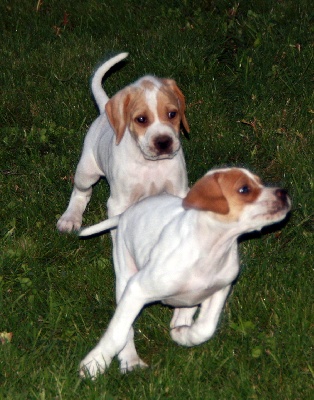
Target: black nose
{"type": "Point", "coordinates": [282, 194]}
{"type": "Point", "coordinates": [163, 144]}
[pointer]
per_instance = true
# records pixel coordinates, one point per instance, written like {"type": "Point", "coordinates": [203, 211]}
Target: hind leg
{"type": "Point", "coordinates": [183, 316]}
{"type": "Point", "coordinates": [204, 326]}
{"type": "Point", "coordinates": [86, 175]}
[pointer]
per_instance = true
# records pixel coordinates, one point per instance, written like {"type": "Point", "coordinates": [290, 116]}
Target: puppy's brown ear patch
{"type": "Point", "coordinates": [181, 101]}
{"type": "Point", "coordinates": [206, 195]}
{"type": "Point", "coordinates": [117, 112]}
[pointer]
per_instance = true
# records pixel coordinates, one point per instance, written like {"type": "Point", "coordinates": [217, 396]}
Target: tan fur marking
{"type": "Point", "coordinates": [139, 191]}
{"type": "Point", "coordinates": [220, 194]}
{"type": "Point", "coordinates": [166, 103]}
{"type": "Point", "coordinates": [231, 183]}
{"type": "Point", "coordinates": [136, 193]}
{"type": "Point", "coordinates": [147, 84]}
{"type": "Point", "coordinates": [128, 104]}
{"type": "Point", "coordinates": [123, 109]}
{"type": "Point", "coordinates": [206, 195]}
{"type": "Point", "coordinates": [169, 187]}
{"type": "Point", "coordinates": [117, 111]}
{"type": "Point", "coordinates": [176, 97]}
{"type": "Point", "coordinates": [139, 108]}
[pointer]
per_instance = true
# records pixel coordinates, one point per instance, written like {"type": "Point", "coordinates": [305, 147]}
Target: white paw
{"type": "Point", "coordinates": [131, 364]}
{"type": "Point", "coordinates": [94, 364]}
{"type": "Point", "coordinates": [69, 222]}
{"type": "Point", "coordinates": [180, 335]}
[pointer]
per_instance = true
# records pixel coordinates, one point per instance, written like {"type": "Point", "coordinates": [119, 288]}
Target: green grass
{"type": "Point", "coordinates": [246, 69]}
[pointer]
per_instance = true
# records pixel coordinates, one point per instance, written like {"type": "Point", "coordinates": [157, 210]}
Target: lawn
{"type": "Point", "coordinates": [246, 69]}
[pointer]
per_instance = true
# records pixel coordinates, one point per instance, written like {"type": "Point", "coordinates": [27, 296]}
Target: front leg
{"type": "Point", "coordinates": [117, 334]}
{"type": "Point", "coordinates": [128, 357]}
{"type": "Point", "coordinates": [205, 325]}
{"type": "Point", "coordinates": [86, 175]}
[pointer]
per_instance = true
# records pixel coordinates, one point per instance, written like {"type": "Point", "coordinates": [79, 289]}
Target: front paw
{"type": "Point", "coordinates": [94, 364]}
{"type": "Point", "coordinates": [69, 222]}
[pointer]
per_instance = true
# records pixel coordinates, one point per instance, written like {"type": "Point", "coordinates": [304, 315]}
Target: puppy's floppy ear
{"type": "Point", "coordinates": [117, 112]}
{"type": "Point", "coordinates": [181, 101]}
{"type": "Point", "coordinates": [206, 195]}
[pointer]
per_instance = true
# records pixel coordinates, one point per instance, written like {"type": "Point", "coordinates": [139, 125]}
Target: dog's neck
{"type": "Point", "coordinates": [216, 236]}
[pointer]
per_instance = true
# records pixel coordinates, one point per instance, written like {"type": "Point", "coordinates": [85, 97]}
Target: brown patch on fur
{"type": "Point", "coordinates": [175, 98]}
{"type": "Point", "coordinates": [117, 112]}
{"type": "Point", "coordinates": [126, 106]}
{"type": "Point", "coordinates": [140, 191]}
{"type": "Point", "coordinates": [136, 193]}
{"type": "Point", "coordinates": [207, 195]}
{"type": "Point", "coordinates": [153, 191]}
{"type": "Point", "coordinates": [169, 187]}
{"type": "Point", "coordinates": [147, 84]}
{"type": "Point", "coordinates": [140, 109]}
{"type": "Point", "coordinates": [221, 193]}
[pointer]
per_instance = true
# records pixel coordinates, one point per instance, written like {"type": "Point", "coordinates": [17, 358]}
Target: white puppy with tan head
{"type": "Point", "coordinates": [134, 143]}
{"type": "Point", "coordinates": [184, 254]}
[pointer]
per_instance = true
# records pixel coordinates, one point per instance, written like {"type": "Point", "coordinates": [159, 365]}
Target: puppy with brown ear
{"type": "Point", "coordinates": [134, 143]}
{"type": "Point", "coordinates": [184, 254]}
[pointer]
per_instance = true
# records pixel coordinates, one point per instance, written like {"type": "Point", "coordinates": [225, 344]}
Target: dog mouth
{"type": "Point", "coordinates": [275, 214]}
{"type": "Point", "coordinates": [279, 209]}
{"type": "Point", "coordinates": [275, 210]}
{"type": "Point", "coordinates": [157, 157]}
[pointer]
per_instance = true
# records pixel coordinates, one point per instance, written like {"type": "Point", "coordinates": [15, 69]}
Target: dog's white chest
{"type": "Point", "coordinates": [205, 279]}
{"type": "Point", "coordinates": [191, 298]}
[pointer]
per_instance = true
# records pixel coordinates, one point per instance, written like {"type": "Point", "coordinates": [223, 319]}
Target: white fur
{"type": "Point", "coordinates": [99, 94]}
{"type": "Point", "coordinates": [180, 256]}
{"type": "Point", "coordinates": [133, 167]}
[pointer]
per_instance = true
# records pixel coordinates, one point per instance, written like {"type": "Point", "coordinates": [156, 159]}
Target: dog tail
{"type": "Point", "coordinates": [99, 94]}
{"type": "Point", "coordinates": [105, 225]}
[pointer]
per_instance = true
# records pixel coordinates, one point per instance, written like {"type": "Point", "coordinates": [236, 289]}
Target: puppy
{"type": "Point", "coordinates": [184, 254]}
{"type": "Point", "coordinates": [134, 143]}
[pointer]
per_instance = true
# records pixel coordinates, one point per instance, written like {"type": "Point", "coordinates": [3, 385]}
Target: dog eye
{"type": "Point", "coordinates": [172, 114]}
{"type": "Point", "coordinates": [244, 190]}
{"type": "Point", "coordinates": [141, 119]}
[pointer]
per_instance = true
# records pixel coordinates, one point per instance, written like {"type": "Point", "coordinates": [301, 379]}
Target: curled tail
{"type": "Point", "coordinates": [99, 94]}
{"type": "Point", "coordinates": [102, 226]}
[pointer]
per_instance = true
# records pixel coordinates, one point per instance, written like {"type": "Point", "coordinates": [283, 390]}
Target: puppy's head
{"type": "Point", "coordinates": [236, 195]}
{"type": "Point", "coordinates": [151, 110]}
